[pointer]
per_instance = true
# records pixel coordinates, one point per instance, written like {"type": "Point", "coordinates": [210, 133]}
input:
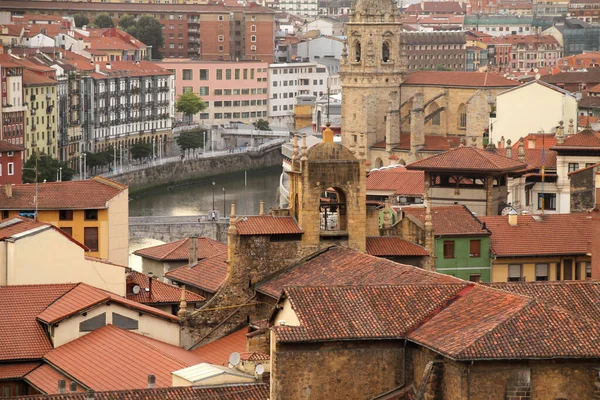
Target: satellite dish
{"type": "Point", "coordinates": [260, 369]}
{"type": "Point", "coordinates": [234, 358]}
{"type": "Point", "coordinates": [136, 289]}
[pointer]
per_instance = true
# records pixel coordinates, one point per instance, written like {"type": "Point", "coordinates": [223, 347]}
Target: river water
{"type": "Point", "coordinates": [197, 198]}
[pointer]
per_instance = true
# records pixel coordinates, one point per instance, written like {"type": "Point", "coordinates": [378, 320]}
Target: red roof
{"type": "Point", "coordinates": [398, 180]}
{"type": "Point", "coordinates": [126, 359]}
{"type": "Point", "coordinates": [435, 7]}
{"type": "Point", "coordinates": [5, 146]}
{"type": "Point", "coordinates": [453, 78]}
{"type": "Point", "coordinates": [453, 220]}
{"type": "Point", "coordinates": [208, 275]}
{"type": "Point", "coordinates": [84, 296]}
{"type": "Point", "coordinates": [532, 144]}
{"type": "Point", "coordinates": [21, 304]}
{"type": "Point", "coordinates": [217, 352]}
{"type": "Point", "coordinates": [45, 379]}
{"type": "Point", "coordinates": [14, 226]}
{"type": "Point", "coordinates": [93, 193]}
{"type": "Point", "coordinates": [16, 370]}
{"type": "Point", "coordinates": [267, 225]}
{"type": "Point", "coordinates": [31, 78]}
{"type": "Point", "coordinates": [584, 140]}
{"type": "Point", "coordinates": [432, 143]}
{"type": "Point", "coordinates": [587, 120]}
{"type": "Point", "coordinates": [550, 234]}
{"type": "Point", "coordinates": [468, 159]}
{"type": "Point", "coordinates": [387, 246]}
{"type": "Point", "coordinates": [343, 266]}
{"type": "Point", "coordinates": [179, 250]}
{"type": "Point", "coordinates": [161, 292]}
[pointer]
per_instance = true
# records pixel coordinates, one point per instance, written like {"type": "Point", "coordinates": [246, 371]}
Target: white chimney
{"type": "Point", "coordinates": [513, 218]}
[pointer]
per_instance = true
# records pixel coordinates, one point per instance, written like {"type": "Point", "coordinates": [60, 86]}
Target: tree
{"type": "Point", "coordinates": [189, 104]}
{"type": "Point", "coordinates": [47, 168]}
{"type": "Point", "coordinates": [126, 22]}
{"type": "Point", "coordinates": [190, 140]}
{"type": "Point", "coordinates": [81, 20]}
{"type": "Point", "coordinates": [103, 20]}
{"type": "Point", "coordinates": [441, 67]}
{"type": "Point", "coordinates": [140, 150]}
{"type": "Point", "coordinates": [261, 124]}
{"type": "Point", "coordinates": [148, 30]}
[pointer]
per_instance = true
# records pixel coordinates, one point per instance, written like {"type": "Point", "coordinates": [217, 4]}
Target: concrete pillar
{"type": "Point", "coordinates": [417, 125]}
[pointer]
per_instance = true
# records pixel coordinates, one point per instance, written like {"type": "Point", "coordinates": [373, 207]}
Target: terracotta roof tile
{"type": "Point", "coordinates": [161, 292]}
{"type": "Point", "coordinates": [5, 146]}
{"type": "Point", "coordinates": [386, 246]}
{"type": "Point", "coordinates": [588, 120]}
{"type": "Point", "coordinates": [179, 250]}
{"type": "Point", "coordinates": [398, 180]}
{"type": "Point", "coordinates": [468, 159]}
{"type": "Point", "coordinates": [436, 7]}
{"type": "Point", "coordinates": [209, 274]}
{"type": "Point", "coordinates": [584, 140]}
{"type": "Point", "coordinates": [92, 193]}
{"type": "Point", "coordinates": [258, 391]}
{"type": "Point", "coordinates": [532, 144]}
{"type": "Point", "coordinates": [14, 226]}
{"type": "Point", "coordinates": [45, 379]}
{"type": "Point", "coordinates": [451, 78]}
{"type": "Point", "coordinates": [343, 266]}
{"type": "Point", "coordinates": [31, 78]}
{"type": "Point", "coordinates": [16, 371]}
{"type": "Point", "coordinates": [20, 306]}
{"type": "Point", "coordinates": [267, 225]}
{"type": "Point", "coordinates": [432, 143]}
{"type": "Point", "coordinates": [83, 297]}
{"type": "Point", "coordinates": [126, 359]}
{"type": "Point", "coordinates": [217, 352]}
{"type": "Point", "coordinates": [449, 220]}
{"type": "Point", "coordinates": [550, 234]}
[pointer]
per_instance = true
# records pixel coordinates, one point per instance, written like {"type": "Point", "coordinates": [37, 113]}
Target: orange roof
{"type": "Point", "coordinates": [397, 179]}
{"type": "Point", "coordinates": [14, 226]}
{"type": "Point", "coordinates": [449, 220]}
{"type": "Point", "coordinates": [584, 140]}
{"type": "Point", "coordinates": [537, 149]}
{"type": "Point", "coordinates": [110, 43]}
{"type": "Point", "coordinates": [387, 246]}
{"type": "Point", "coordinates": [92, 193]}
{"type": "Point", "coordinates": [111, 358]}
{"type": "Point", "coordinates": [587, 120]}
{"type": "Point", "coordinates": [179, 250]}
{"type": "Point", "coordinates": [453, 78]}
{"type": "Point", "coordinates": [141, 68]}
{"type": "Point", "coordinates": [217, 352]}
{"type": "Point", "coordinates": [16, 370]}
{"type": "Point", "coordinates": [550, 234]}
{"type": "Point", "coordinates": [267, 225]}
{"type": "Point", "coordinates": [5, 146]}
{"type": "Point", "coordinates": [31, 78]}
{"type": "Point", "coordinates": [468, 159]}
{"type": "Point", "coordinates": [161, 292]}
{"type": "Point", "coordinates": [209, 274]}
{"type": "Point", "coordinates": [21, 304]}
{"type": "Point", "coordinates": [84, 296]}
{"type": "Point", "coordinates": [45, 379]}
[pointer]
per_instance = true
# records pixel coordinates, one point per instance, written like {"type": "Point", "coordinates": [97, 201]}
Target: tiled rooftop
{"type": "Point", "coordinates": [463, 79]}
{"type": "Point", "coordinates": [45, 379]}
{"type": "Point", "coordinates": [398, 180]}
{"type": "Point", "coordinates": [16, 370]}
{"type": "Point", "coordinates": [453, 220]}
{"type": "Point", "coordinates": [267, 225]}
{"type": "Point", "coordinates": [584, 140]}
{"type": "Point", "coordinates": [179, 250]}
{"type": "Point", "coordinates": [468, 159]}
{"type": "Point", "coordinates": [388, 246]}
{"type": "Point", "coordinates": [5, 146]}
{"type": "Point", "coordinates": [208, 275]}
{"type": "Point", "coordinates": [162, 293]}
{"type": "Point", "coordinates": [217, 352]}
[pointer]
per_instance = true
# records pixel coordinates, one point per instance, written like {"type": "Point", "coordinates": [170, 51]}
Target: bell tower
{"type": "Point", "coordinates": [372, 68]}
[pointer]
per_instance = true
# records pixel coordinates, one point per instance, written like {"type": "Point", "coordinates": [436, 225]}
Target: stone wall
{"type": "Point", "coordinates": [340, 370]}
{"type": "Point", "coordinates": [169, 232]}
{"type": "Point", "coordinates": [193, 169]}
{"type": "Point", "coordinates": [582, 190]}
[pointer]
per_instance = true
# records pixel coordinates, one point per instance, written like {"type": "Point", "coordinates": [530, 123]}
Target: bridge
{"type": "Point", "coordinates": [171, 228]}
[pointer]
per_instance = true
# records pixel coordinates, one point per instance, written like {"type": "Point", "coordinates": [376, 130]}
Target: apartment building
{"type": "Point", "coordinates": [232, 91]}
{"type": "Point", "coordinates": [288, 80]}
{"type": "Point", "coordinates": [514, 52]}
{"type": "Point", "coordinates": [303, 8]}
{"type": "Point", "coordinates": [429, 50]}
{"type": "Point", "coordinates": [12, 109]}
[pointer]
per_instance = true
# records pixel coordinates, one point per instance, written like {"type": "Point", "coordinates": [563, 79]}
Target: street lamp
{"type": "Point", "coordinates": [153, 149]}
{"type": "Point", "coordinates": [213, 182]}
{"type": "Point", "coordinates": [224, 212]}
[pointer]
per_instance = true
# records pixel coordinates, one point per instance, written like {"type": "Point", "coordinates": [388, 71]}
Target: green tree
{"type": "Point", "coordinates": [95, 160]}
{"type": "Point", "coordinates": [126, 22]}
{"type": "Point", "coordinates": [47, 167]}
{"type": "Point", "coordinates": [103, 20]}
{"type": "Point", "coordinates": [81, 20]}
{"type": "Point", "coordinates": [140, 150]}
{"type": "Point", "coordinates": [149, 31]}
{"type": "Point", "coordinates": [442, 68]}
{"type": "Point", "coordinates": [190, 140]}
{"type": "Point", "coordinates": [189, 104]}
{"type": "Point", "coordinates": [261, 124]}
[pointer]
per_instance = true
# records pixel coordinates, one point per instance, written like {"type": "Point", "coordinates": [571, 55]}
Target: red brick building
{"type": "Point", "coordinates": [11, 163]}
{"type": "Point", "coordinates": [12, 108]}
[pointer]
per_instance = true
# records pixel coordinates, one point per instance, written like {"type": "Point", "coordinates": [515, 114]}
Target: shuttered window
{"type": "Point", "coordinates": [91, 238]}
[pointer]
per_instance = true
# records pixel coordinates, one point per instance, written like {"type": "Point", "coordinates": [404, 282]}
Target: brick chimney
{"type": "Point", "coordinates": [595, 245]}
{"type": "Point", "coordinates": [8, 190]}
{"type": "Point", "coordinates": [193, 253]}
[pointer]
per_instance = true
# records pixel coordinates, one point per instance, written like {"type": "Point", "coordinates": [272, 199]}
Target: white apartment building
{"type": "Point", "coordinates": [288, 80]}
{"type": "Point", "coordinates": [303, 8]}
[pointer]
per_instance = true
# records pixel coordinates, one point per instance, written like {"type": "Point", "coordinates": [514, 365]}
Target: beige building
{"type": "Point", "coordinates": [533, 107]}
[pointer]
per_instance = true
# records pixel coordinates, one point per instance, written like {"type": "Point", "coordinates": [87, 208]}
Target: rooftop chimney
{"type": "Point", "coordinates": [151, 381]}
{"type": "Point", "coordinates": [261, 210]}
{"type": "Point", "coordinates": [97, 67]}
{"type": "Point", "coordinates": [182, 304]}
{"type": "Point", "coordinates": [72, 387]}
{"type": "Point", "coordinates": [62, 386]}
{"type": "Point", "coordinates": [193, 255]}
{"type": "Point", "coordinates": [90, 395]}
{"type": "Point", "coordinates": [8, 190]}
{"type": "Point", "coordinates": [513, 218]}
{"type": "Point", "coordinates": [509, 148]}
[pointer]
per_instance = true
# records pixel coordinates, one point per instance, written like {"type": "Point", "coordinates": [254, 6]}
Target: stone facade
{"type": "Point", "coordinates": [583, 188]}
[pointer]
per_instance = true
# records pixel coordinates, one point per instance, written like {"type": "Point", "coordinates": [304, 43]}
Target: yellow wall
{"type": "Point", "coordinates": [148, 325]}
{"type": "Point", "coordinates": [500, 267]}
{"type": "Point", "coordinates": [46, 139]}
{"type": "Point", "coordinates": [287, 314]}
{"type": "Point", "coordinates": [49, 257]}
{"type": "Point", "coordinates": [118, 228]}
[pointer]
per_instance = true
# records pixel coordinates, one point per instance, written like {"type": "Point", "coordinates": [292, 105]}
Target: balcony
{"type": "Point", "coordinates": [193, 21]}
{"type": "Point", "coordinates": [193, 40]}
{"type": "Point", "coordinates": [33, 128]}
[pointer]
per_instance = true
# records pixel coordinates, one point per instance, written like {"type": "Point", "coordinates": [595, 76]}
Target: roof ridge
{"type": "Point", "coordinates": [55, 300]}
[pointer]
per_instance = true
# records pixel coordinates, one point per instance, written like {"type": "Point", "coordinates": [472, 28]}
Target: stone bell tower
{"type": "Point", "coordinates": [372, 68]}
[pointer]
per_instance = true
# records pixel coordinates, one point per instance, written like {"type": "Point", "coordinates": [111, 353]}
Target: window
{"type": "Point", "coordinates": [475, 248]}
{"type": "Point", "coordinates": [252, 28]}
{"type": "Point", "coordinates": [462, 116]}
{"type": "Point", "coordinates": [67, 230]}
{"type": "Point", "coordinates": [237, 73]}
{"type": "Point", "coordinates": [91, 215]}
{"type": "Point", "coordinates": [228, 74]}
{"type": "Point", "coordinates": [90, 238]}
{"type": "Point", "coordinates": [385, 52]}
{"type": "Point", "coordinates": [514, 273]}
{"type": "Point", "coordinates": [475, 277]}
{"type": "Point", "coordinates": [547, 200]}
{"type": "Point", "coordinates": [541, 272]}
{"type": "Point", "coordinates": [220, 18]}
{"type": "Point", "coordinates": [187, 74]}
{"type": "Point", "coordinates": [203, 74]}
{"type": "Point", "coordinates": [65, 215]}
{"type": "Point", "coordinates": [219, 75]}
{"type": "Point", "coordinates": [218, 92]}
{"type": "Point", "coordinates": [448, 248]}
{"type": "Point", "coordinates": [204, 90]}
{"type": "Point", "coordinates": [124, 322]}
{"type": "Point", "coordinates": [187, 89]}
{"type": "Point", "coordinates": [11, 168]}
{"type": "Point", "coordinates": [588, 270]}
{"type": "Point", "coordinates": [573, 167]}
{"type": "Point", "coordinates": [221, 38]}
{"type": "Point", "coordinates": [357, 51]}
{"type": "Point", "coordinates": [253, 38]}
{"type": "Point", "coordinates": [93, 323]}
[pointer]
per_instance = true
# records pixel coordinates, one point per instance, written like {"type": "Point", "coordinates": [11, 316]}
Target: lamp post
{"type": "Point", "coordinates": [213, 182]}
{"type": "Point", "coordinates": [60, 174]}
{"type": "Point", "coordinates": [224, 212]}
{"type": "Point", "coordinates": [160, 147]}
{"type": "Point", "coordinates": [153, 149]}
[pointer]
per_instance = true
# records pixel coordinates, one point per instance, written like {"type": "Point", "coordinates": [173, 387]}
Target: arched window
{"type": "Point", "coordinates": [435, 120]}
{"type": "Point", "coordinates": [385, 51]}
{"type": "Point", "coordinates": [462, 116]}
{"type": "Point", "coordinates": [332, 210]}
{"type": "Point", "coordinates": [378, 163]}
{"type": "Point", "coordinates": [357, 51]}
